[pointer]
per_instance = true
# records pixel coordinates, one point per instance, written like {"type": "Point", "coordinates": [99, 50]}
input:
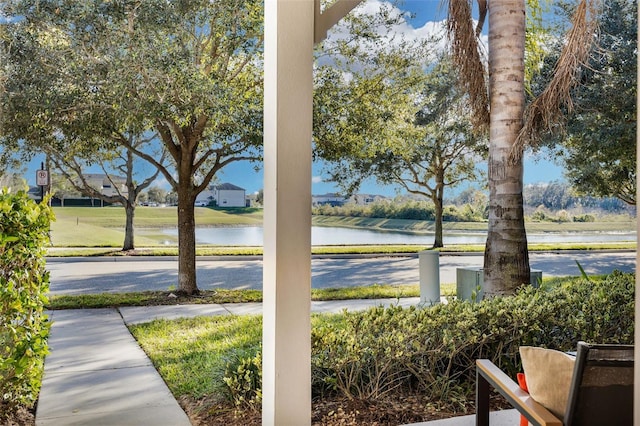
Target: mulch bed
{"type": "Point", "coordinates": [329, 412]}
{"type": "Point", "coordinates": [22, 417]}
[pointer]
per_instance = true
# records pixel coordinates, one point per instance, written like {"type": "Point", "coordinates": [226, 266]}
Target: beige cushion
{"type": "Point", "coordinates": [548, 374]}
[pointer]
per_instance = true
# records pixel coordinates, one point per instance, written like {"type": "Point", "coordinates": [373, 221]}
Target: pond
{"type": "Point", "coordinates": [320, 235]}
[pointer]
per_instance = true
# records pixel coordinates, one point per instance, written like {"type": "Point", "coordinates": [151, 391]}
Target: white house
{"type": "Point", "coordinates": [105, 184]}
{"type": "Point", "coordinates": [204, 198]}
{"type": "Point", "coordinates": [229, 195]}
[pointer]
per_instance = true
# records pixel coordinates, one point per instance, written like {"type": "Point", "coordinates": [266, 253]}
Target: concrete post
{"type": "Point", "coordinates": [429, 265]}
{"type": "Point", "coordinates": [288, 87]}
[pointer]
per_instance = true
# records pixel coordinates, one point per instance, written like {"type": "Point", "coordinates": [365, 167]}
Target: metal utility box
{"type": "Point", "coordinates": [469, 282]}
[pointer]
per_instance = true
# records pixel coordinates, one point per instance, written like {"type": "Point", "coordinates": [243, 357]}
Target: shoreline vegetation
{"type": "Point", "coordinates": [86, 231]}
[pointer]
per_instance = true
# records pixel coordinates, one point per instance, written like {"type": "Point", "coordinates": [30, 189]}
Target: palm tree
{"type": "Point", "coordinates": [512, 125]}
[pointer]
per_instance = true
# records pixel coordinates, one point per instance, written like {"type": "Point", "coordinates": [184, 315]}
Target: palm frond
{"type": "Point", "coordinates": [545, 113]}
{"type": "Point", "coordinates": [467, 57]}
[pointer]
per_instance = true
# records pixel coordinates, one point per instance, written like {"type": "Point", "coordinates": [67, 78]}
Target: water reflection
{"type": "Point", "coordinates": [320, 235]}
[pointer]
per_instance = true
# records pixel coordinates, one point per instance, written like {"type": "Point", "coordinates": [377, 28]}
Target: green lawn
{"type": "Point", "coordinates": [192, 355]}
{"type": "Point", "coordinates": [111, 300]}
{"type": "Point", "coordinates": [154, 217]}
{"type": "Point", "coordinates": [104, 227]}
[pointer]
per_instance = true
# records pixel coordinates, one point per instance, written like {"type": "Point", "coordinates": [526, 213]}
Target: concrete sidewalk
{"type": "Point", "coordinates": [141, 314]}
{"type": "Point", "coordinates": [96, 374]}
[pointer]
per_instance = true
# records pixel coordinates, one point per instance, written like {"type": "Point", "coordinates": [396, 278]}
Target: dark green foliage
{"type": "Point", "coordinates": [558, 195]}
{"type": "Point", "coordinates": [584, 218]}
{"type": "Point", "coordinates": [433, 350]}
{"type": "Point", "coordinates": [599, 147]}
{"type": "Point", "coordinates": [410, 210]}
{"type": "Point", "coordinates": [24, 227]}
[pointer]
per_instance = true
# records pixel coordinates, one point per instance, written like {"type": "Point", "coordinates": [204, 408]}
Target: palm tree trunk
{"type": "Point", "coordinates": [506, 260]}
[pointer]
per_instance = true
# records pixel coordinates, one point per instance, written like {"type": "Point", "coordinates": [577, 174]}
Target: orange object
{"type": "Point", "coordinates": [522, 382]}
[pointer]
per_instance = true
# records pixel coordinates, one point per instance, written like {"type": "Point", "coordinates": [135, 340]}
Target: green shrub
{"type": "Point", "coordinates": [584, 218]}
{"type": "Point", "coordinates": [433, 350]}
{"type": "Point", "coordinates": [24, 227]}
{"type": "Point", "coordinates": [540, 216]}
{"type": "Point", "coordinates": [243, 379]}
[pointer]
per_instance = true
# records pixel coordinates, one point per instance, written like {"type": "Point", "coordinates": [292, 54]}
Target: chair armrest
{"type": "Point", "coordinates": [487, 374]}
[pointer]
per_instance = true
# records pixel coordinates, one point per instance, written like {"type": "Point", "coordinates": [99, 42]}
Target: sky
{"type": "Point", "coordinates": [427, 17]}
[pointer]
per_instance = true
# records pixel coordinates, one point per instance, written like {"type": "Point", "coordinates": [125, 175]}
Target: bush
{"type": "Point", "coordinates": [243, 379]}
{"type": "Point", "coordinates": [433, 351]}
{"type": "Point", "coordinates": [24, 227]}
{"type": "Point", "coordinates": [584, 218]}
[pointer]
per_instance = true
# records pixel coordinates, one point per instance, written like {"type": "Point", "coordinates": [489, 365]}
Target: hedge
{"type": "Point", "coordinates": [432, 351]}
{"type": "Point", "coordinates": [24, 227]}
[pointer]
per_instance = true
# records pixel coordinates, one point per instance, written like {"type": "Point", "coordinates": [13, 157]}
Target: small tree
{"type": "Point", "coordinates": [121, 159]}
{"type": "Point", "coordinates": [401, 127]}
{"type": "Point", "coordinates": [157, 195]}
{"type": "Point", "coordinates": [188, 71]}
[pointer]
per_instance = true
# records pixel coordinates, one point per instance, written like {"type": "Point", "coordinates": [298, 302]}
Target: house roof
{"type": "Point", "coordinates": [228, 187]}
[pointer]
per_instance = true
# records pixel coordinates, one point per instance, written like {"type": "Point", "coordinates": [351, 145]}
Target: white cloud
{"type": "Point", "coordinates": [404, 31]}
{"type": "Point", "coordinates": [162, 182]}
{"type": "Point", "coordinates": [433, 31]}
{"type": "Point", "coordinates": [316, 179]}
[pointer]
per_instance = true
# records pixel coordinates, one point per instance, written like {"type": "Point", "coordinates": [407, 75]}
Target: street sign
{"type": "Point", "coordinates": [42, 178]}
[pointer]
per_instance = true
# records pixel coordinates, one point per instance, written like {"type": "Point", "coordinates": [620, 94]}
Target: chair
{"type": "Point", "coordinates": [601, 391]}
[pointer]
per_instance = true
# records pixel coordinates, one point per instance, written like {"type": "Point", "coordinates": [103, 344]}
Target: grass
{"type": "Point", "coordinates": [209, 250]}
{"type": "Point", "coordinates": [155, 217]}
{"type": "Point", "coordinates": [104, 227]}
{"type": "Point", "coordinates": [191, 355]}
{"type": "Point", "coordinates": [204, 250]}
{"type": "Point", "coordinates": [152, 298]}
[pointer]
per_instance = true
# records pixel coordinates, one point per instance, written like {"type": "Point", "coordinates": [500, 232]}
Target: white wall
{"type": "Point", "coordinates": [230, 198]}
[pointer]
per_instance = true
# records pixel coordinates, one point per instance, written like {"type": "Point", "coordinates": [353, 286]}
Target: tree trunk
{"type": "Point", "coordinates": [130, 210]}
{"type": "Point", "coordinates": [438, 202]}
{"type": "Point", "coordinates": [506, 260]}
{"type": "Point", "coordinates": [186, 240]}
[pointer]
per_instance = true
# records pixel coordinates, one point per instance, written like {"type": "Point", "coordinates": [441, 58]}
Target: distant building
{"type": "Point", "coordinates": [366, 199]}
{"type": "Point", "coordinates": [330, 199]}
{"type": "Point", "coordinates": [205, 198]}
{"type": "Point", "coordinates": [229, 195]}
{"type": "Point", "coordinates": [108, 185]}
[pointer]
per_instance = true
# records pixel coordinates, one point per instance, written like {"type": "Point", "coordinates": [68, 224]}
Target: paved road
{"type": "Point", "coordinates": [117, 274]}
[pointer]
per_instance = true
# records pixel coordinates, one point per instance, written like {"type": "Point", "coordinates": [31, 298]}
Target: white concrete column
{"type": "Point", "coordinates": [286, 382]}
